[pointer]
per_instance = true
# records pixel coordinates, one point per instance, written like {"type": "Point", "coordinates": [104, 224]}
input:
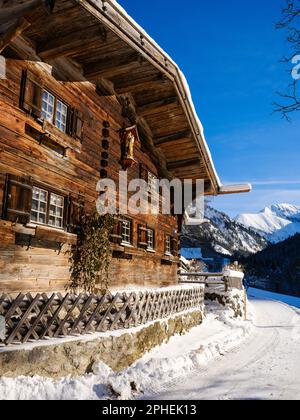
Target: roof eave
{"type": "Point", "coordinates": [234, 189]}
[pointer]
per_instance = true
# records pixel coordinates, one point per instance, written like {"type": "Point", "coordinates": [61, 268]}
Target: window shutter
{"type": "Point", "coordinates": [70, 117]}
{"type": "Point", "coordinates": [31, 93]}
{"type": "Point", "coordinates": [17, 199]}
{"type": "Point", "coordinates": [78, 126]}
{"type": "Point", "coordinates": [75, 124]}
{"type": "Point", "coordinates": [142, 236]}
{"type": "Point", "coordinates": [174, 246]}
{"type": "Point", "coordinates": [74, 214]}
{"type": "Point", "coordinates": [116, 236]}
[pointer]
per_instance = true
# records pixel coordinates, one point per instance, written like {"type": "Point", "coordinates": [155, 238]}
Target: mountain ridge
{"type": "Point", "coordinates": [275, 223]}
{"type": "Point", "coordinates": [223, 235]}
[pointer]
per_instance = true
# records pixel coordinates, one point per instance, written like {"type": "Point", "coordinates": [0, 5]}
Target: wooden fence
{"type": "Point", "coordinates": [29, 317]}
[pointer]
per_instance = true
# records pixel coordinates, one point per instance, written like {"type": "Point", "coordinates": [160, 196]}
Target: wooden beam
{"type": "Point", "coordinates": [186, 134]}
{"type": "Point", "coordinates": [72, 43]}
{"type": "Point", "coordinates": [14, 9]}
{"type": "Point", "coordinates": [13, 32]}
{"type": "Point", "coordinates": [105, 87]}
{"type": "Point", "coordinates": [139, 85]}
{"type": "Point", "coordinates": [183, 163]}
{"type": "Point", "coordinates": [155, 107]}
{"type": "Point", "coordinates": [110, 66]}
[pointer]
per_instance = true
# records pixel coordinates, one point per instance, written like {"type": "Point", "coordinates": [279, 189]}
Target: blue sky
{"type": "Point", "coordinates": [230, 53]}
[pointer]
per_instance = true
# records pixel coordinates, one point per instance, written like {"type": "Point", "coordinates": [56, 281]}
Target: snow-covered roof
{"type": "Point", "coordinates": [196, 122]}
{"type": "Point", "coordinates": [122, 59]}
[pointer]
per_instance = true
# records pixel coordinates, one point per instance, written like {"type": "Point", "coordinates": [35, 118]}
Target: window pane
{"type": "Point", "coordinates": [53, 199]}
{"type": "Point", "coordinates": [52, 210]}
{"type": "Point", "coordinates": [35, 193]}
{"type": "Point", "coordinates": [35, 205]}
{"type": "Point", "coordinates": [59, 212]}
{"type": "Point", "coordinates": [42, 218]}
{"type": "Point", "coordinates": [150, 239]}
{"type": "Point", "coordinates": [47, 106]}
{"type": "Point", "coordinates": [168, 244]}
{"type": "Point", "coordinates": [43, 196]}
{"type": "Point", "coordinates": [56, 210]}
{"type": "Point", "coordinates": [39, 205]}
{"type": "Point", "coordinates": [58, 223]}
{"type": "Point", "coordinates": [59, 201]}
{"type": "Point", "coordinates": [61, 115]}
{"type": "Point", "coordinates": [126, 231]}
{"type": "Point", "coordinates": [152, 183]}
{"type": "Point", "coordinates": [42, 208]}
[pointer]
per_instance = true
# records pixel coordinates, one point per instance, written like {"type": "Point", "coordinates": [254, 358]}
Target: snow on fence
{"type": "Point", "coordinates": [29, 317]}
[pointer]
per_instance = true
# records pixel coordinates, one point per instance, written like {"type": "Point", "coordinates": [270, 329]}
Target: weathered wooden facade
{"type": "Point", "coordinates": [77, 72]}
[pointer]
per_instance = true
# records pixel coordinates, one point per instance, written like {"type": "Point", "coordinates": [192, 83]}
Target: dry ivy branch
{"type": "Point", "coordinates": [291, 23]}
{"type": "Point", "coordinates": [90, 258]}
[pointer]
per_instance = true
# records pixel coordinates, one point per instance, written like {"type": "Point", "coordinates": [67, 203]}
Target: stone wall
{"type": "Point", "coordinates": [77, 357]}
{"type": "Point", "coordinates": [234, 299]}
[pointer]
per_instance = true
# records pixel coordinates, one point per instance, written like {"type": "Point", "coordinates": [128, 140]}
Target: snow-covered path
{"type": "Point", "coordinates": [265, 366]}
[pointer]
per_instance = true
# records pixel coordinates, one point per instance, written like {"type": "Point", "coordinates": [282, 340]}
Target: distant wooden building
{"type": "Point", "coordinates": [76, 73]}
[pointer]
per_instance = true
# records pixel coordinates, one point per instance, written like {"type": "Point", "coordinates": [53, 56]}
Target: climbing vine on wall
{"type": "Point", "coordinates": [90, 258]}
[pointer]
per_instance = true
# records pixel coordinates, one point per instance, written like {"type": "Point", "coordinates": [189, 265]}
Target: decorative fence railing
{"type": "Point", "coordinates": [29, 317]}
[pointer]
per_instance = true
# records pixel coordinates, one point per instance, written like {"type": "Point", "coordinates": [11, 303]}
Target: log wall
{"type": "Point", "coordinates": [38, 267]}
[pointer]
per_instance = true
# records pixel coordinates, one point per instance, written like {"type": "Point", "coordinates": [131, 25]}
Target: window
{"type": "Point", "coordinates": [168, 247]}
{"type": "Point", "coordinates": [152, 183]}
{"type": "Point", "coordinates": [39, 102]}
{"type": "Point", "coordinates": [47, 208]}
{"type": "Point", "coordinates": [39, 205]}
{"type": "Point", "coordinates": [150, 239]}
{"type": "Point", "coordinates": [48, 106]}
{"type": "Point", "coordinates": [126, 232]}
{"type": "Point", "coordinates": [56, 211]}
{"type": "Point", "coordinates": [54, 111]}
{"type": "Point", "coordinates": [61, 116]}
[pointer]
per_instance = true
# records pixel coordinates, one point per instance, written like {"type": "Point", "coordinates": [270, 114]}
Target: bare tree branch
{"type": "Point", "coordinates": [291, 23]}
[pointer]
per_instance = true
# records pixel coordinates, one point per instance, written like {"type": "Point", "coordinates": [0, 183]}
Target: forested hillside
{"type": "Point", "coordinates": [276, 268]}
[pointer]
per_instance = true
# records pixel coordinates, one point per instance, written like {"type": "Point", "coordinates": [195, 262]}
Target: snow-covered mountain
{"type": "Point", "coordinates": [275, 223]}
{"type": "Point", "coordinates": [223, 235]}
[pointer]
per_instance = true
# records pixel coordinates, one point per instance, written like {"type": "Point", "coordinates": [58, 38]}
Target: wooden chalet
{"type": "Point", "coordinates": [76, 73]}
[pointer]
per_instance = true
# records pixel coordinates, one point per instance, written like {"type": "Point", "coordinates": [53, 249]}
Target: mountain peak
{"type": "Point", "coordinates": [276, 223]}
{"type": "Point", "coordinates": [286, 210]}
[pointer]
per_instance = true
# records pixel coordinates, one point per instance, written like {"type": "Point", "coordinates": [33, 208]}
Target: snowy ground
{"type": "Point", "coordinates": [266, 366]}
{"type": "Point", "coordinates": [222, 359]}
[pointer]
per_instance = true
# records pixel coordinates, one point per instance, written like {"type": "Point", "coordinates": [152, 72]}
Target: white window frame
{"type": "Point", "coordinates": [53, 118]}
{"type": "Point", "coordinates": [151, 239]}
{"type": "Point", "coordinates": [59, 123]}
{"type": "Point", "coordinates": [152, 183]}
{"type": "Point", "coordinates": [168, 245]}
{"type": "Point", "coordinates": [46, 114]}
{"type": "Point", "coordinates": [38, 212]}
{"type": "Point", "coordinates": [57, 208]}
{"type": "Point", "coordinates": [48, 205]}
{"type": "Point", "coordinates": [126, 232]}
